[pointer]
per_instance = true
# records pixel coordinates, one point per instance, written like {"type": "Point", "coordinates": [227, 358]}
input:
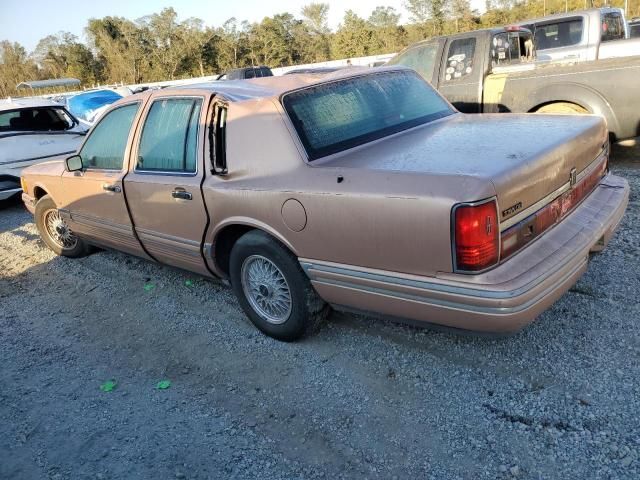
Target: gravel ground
{"type": "Point", "coordinates": [363, 398]}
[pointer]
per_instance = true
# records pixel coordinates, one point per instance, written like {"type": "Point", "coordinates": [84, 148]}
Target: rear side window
{"type": "Point", "coordinates": [559, 34]}
{"type": "Point", "coordinates": [335, 116]}
{"type": "Point", "coordinates": [40, 119]}
{"type": "Point", "coordinates": [107, 141]}
{"type": "Point", "coordinates": [460, 59]}
{"type": "Point", "coordinates": [612, 26]}
{"type": "Point", "coordinates": [169, 141]}
{"type": "Point", "coordinates": [421, 58]}
{"type": "Point", "coordinates": [634, 30]}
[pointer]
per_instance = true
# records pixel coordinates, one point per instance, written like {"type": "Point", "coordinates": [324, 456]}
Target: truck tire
{"type": "Point", "coordinates": [272, 288]}
{"type": "Point", "coordinates": [54, 231]}
{"type": "Point", "coordinates": [563, 107]}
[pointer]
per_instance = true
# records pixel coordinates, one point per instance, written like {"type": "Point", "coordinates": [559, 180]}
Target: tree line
{"type": "Point", "coordinates": [161, 47]}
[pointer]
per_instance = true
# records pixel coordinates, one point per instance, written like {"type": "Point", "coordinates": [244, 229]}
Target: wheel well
{"type": "Point", "coordinates": [39, 192]}
{"type": "Point", "coordinates": [224, 242]}
{"type": "Point", "coordinates": [538, 107]}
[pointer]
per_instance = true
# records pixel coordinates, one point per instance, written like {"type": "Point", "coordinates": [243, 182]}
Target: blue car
{"type": "Point", "coordinates": [88, 106]}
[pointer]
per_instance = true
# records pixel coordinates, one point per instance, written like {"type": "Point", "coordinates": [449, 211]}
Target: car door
{"type": "Point", "coordinates": [163, 187]}
{"type": "Point", "coordinates": [93, 200]}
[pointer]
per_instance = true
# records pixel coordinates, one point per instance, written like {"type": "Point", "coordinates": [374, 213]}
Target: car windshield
{"type": "Point", "coordinates": [84, 105]}
{"type": "Point", "coordinates": [36, 119]}
{"type": "Point", "coordinates": [335, 116]}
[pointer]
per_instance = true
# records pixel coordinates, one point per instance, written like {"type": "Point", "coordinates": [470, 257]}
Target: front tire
{"type": "Point", "coordinates": [55, 232]}
{"type": "Point", "coordinates": [272, 288]}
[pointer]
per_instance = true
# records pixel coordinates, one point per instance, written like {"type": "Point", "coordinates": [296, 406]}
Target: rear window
{"type": "Point", "coordinates": [339, 115]}
{"type": "Point", "coordinates": [559, 34]}
{"type": "Point", "coordinates": [612, 26]}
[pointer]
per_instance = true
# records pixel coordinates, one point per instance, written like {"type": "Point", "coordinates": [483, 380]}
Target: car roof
{"type": "Point", "coordinates": [274, 87]}
{"type": "Point", "coordinates": [27, 102]}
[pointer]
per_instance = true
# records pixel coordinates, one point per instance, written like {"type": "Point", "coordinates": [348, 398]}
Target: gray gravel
{"type": "Point", "coordinates": [363, 398]}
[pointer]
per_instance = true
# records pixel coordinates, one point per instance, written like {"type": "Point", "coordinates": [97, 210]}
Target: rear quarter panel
{"type": "Point", "coordinates": [395, 221]}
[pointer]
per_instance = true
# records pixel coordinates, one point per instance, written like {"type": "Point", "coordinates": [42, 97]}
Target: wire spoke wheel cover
{"type": "Point", "coordinates": [266, 289]}
{"type": "Point", "coordinates": [58, 230]}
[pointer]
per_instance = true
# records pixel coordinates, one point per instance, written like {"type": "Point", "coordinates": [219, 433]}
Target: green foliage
{"type": "Point", "coordinates": [161, 47]}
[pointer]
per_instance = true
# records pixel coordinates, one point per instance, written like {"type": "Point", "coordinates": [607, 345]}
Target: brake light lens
{"type": "Point", "coordinates": [476, 236]}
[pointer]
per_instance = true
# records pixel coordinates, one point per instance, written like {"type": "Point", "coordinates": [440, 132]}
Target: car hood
{"type": "Point", "coordinates": [526, 157]}
{"type": "Point", "coordinates": [53, 168]}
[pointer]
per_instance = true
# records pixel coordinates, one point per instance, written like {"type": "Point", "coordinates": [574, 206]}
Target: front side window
{"type": "Point", "coordinates": [39, 119]}
{"type": "Point", "coordinates": [169, 141]}
{"type": "Point", "coordinates": [559, 34]}
{"type": "Point", "coordinates": [421, 58]}
{"type": "Point", "coordinates": [107, 142]}
{"type": "Point", "coordinates": [612, 27]}
{"type": "Point", "coordinates": [460, 59]}
{"type": "Point", "coordinates": [335, 116]}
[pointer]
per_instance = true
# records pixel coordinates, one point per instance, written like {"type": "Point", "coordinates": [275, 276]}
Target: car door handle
{"type": "Point", "coordinates": [111, 188]}
{"type": "Point", "coordinates": [181, 194]}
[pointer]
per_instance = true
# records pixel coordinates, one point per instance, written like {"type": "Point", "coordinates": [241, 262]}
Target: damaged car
{"type": "Point", "coordinates": [363, 190]}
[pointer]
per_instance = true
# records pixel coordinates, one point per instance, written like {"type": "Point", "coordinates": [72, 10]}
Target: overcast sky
{"type": "Point", "coordinates": [27, 21]}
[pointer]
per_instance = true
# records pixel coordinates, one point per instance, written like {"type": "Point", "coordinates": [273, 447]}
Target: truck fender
{"type": "Point", "coordinates": [576, 93]}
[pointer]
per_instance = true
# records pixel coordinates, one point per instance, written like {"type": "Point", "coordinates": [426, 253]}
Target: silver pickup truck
{"type": "Point", "coordinates": [593, 34]}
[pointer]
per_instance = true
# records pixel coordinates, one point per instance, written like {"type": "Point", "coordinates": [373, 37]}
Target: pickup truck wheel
{"type": "Point", "coordinates": [563, 107]}
{"type": "Point", "coordinates": [55, 232]}
{"type": "Point", "coordinates": [272, 288]}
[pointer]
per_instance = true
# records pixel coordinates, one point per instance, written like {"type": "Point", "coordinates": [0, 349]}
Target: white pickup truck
{"type": "Point", "coordinates": [593, 34]}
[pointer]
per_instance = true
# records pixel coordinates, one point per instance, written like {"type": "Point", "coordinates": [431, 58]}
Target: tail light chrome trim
{"type": "Point", "coordinates": [489, 228]}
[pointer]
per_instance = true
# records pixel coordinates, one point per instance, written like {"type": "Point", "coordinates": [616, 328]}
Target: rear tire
{"type": "Point", "coordinates": [272, 288]}
{"type": "Point", "coordinates": [563, 107]}
{"type": "Point", "coordinates": [55, 232]}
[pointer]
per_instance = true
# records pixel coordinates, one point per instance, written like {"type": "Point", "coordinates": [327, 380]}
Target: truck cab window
{"type": "Point", "coordinates": [558, 34]}
{"type": "Point", "coordinates": [107, 142]}
{"type": "Point", "coordinates": [511, 47]}
{"type": "Point", "coordinates": [612, 27]}
{"type": "Point", "coordinates": [460, 59]}
{"type": "Point", "coordinates": [421, 58]}
{"type": "Point", "coordinates": [169, 140]}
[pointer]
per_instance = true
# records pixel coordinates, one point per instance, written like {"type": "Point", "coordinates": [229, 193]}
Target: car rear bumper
{"type": "Point", "coordinates": [504, 299]}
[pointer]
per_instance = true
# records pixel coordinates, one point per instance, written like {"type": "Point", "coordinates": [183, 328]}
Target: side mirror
{"type": "Point", "coordinates": [73, 163]}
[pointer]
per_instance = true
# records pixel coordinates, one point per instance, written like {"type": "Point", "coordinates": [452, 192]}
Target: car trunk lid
{"type": "Point", "coordinates": [528, 158]}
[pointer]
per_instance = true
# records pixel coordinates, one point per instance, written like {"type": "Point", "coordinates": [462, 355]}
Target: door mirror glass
{"type": "Point", "coordinates": [73, 163]}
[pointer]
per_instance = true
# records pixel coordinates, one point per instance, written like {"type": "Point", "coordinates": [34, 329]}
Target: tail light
{"type": "Point", "coordinates": [476, 239]}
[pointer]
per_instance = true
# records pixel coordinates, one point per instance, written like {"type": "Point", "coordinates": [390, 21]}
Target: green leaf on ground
{"type": "Point", "coordinates": [189, 283]}
{"type": "Point", "coordinates": [149, 286]}
{"type": "Point", "coordinates": [108, 386]}
{"type": "Point", "coordinates": [163, 384]}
